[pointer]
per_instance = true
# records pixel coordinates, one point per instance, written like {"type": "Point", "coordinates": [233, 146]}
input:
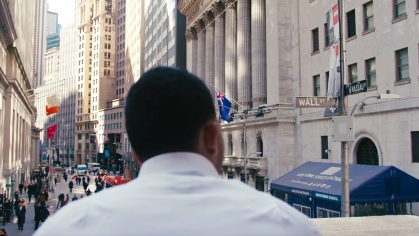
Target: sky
{"type": "Point", "coordinates": [65, 10]}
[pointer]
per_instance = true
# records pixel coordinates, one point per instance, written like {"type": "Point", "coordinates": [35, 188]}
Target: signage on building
{"type": "Point", "coordinates": [356, 87]}
{"type": "Point", "coordinates": [315, 102]}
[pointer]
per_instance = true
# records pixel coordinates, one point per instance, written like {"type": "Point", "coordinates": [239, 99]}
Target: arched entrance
{"type": "Point", "coordinates": [367, 153]}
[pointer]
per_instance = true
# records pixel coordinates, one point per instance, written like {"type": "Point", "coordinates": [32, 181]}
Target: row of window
{"type": "Point", "coordinates": [414, 137]}
{"type": "Point", "coordinates": [368, 22]}
{"type": "Point", "coordinates": [87, 146]}
{"type": "Point", "coordinates": [402, 71]}
{"type": "Point", "coordinates": [111, 126]}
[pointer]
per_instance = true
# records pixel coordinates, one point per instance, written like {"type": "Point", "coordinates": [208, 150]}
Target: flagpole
{"type": "Point", "coordinates": [345, 201]}
{"type": "Point", "coordinates": [228, 97]}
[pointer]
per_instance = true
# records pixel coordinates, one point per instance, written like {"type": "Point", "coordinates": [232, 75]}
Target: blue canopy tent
{"type": "Point", "coordinates": [315, 187]}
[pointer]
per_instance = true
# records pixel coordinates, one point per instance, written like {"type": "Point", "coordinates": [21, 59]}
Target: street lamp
{"type": "Point", "coordinates": [345, 151]}
{"type": "Point", "coordinates": [245, 164]}
{"type": "Point", "coordinates": [378, 96]}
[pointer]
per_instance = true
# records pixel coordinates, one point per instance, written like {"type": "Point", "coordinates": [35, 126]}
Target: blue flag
{"type": "Point", "coordinates": [224, 106]}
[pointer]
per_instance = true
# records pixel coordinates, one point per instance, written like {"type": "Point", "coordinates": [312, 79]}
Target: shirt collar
{"type": "Point", "coordinates": [179, 163]}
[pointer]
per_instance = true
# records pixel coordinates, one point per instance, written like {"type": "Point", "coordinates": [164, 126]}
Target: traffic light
{"type": "Point", "coordinates": [117, 138]}
{"type": "Point", "coordinates": [92, 139]}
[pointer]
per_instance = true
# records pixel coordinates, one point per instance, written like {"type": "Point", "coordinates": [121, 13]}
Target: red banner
{"type": "Point", "coordinates": [51, 110]}
{"type": "Point", "coordinates": [51, 131]}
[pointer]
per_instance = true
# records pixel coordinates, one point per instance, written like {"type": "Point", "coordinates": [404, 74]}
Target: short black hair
{"type": "Point", "coordinates": [165, 110]}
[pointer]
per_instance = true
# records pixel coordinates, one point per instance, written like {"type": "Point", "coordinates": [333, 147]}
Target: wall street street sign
{"type": "Point", "coordinates": [315, 102]}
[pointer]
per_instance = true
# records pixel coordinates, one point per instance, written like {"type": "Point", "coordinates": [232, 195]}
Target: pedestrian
{"type": "Point", "coordinates": [38, 214]}
{"type": "Point", "coordinates": [3, 232]}
{"type": "Point", "coordinates": [85, 186]}
{"type": "Point", "coordinates": [46, 195]}
{"type": "Point", "coordinates": [70, 186]}
{"type": "Point", "coordinates": [60, 199]}
{"type": "Point", "coordinates": [188, 150]}
{"type": "Point", "coordinates": [21, 213]}
{"type": "Point", "coordinates": [25, 186]}
{"type": "Point", "coordinates": [8, 207]}
{"type": "Point", "coordinates": [83, 179]}
{"type": "Point", "coordinates": [45, 213]}
{"type": "Point", "coordinates": [55, 180]}
{"type": "Point", "coordinates": [75, 198]}
{"type": "Point", "coordinates": [88, 192]}
{"type": "Point", "coordinates": [20, 188]}
{"type": "Point", "coordinates": [67, 197]}
{"type": "Point", "coordinates": [16, 195]}
{"type": "Point", "coordinates": [30, 192]}
{"type": "Point", "coordinates": [88, 179]}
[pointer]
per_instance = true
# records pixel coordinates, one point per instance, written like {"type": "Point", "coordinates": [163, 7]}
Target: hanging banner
{"type": "Point", "coordinates": [334, 83]}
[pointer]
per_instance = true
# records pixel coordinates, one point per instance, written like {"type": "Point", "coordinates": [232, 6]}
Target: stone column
{"type": "Point", "coordinates": [200, 28]}
{"type": "Point", "coordinates": [209, 51]}
{"type": "Point", "coordinates": [219, 47]}
{"type": "Point", "coordinates": [192, 50]}
{"type": "Point", "coordinates": [231, 50]}
{"type": "Point", "coordinates": [258, 38]}
{"type": "Point", "coordinates": [244, 70]}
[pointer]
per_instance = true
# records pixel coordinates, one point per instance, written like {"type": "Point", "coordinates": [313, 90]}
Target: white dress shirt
{"type": "Point", "coordinates": [179, 194]}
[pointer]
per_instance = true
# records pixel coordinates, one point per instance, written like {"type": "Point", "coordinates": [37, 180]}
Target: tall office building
{"type": "Point", "coordinates": [53, 40]}
{"type": "Point", "coordinates": [51, 26]}
{"type": "Point", "coordinates": [40, 23]}
{"type": "Point", "coordinates": [67, 73]}
{"type": "Point", "coordinates": [96, 74]}
{"type": "Point", "coordinates": [164, 34]}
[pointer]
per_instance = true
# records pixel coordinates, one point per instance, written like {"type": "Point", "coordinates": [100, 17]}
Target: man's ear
{"type": "Point", "coordinates": [137, 158]}
{"type": "Point", "coordinates": [211, 132]}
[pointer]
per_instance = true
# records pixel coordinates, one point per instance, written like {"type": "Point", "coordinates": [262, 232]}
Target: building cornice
{"type": "Point", "coordinates": [8, 32]}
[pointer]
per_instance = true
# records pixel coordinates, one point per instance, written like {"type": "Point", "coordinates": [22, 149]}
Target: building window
{"type": "Point", "coordinates": [316, 85]}
{"type": "Point", "coordinates": [327, 81]}
{"type": "Point", "coordinates": [87, 135]}
{"type": "Point", "coordinates": [415, 146]}
{"type": "Point", "coordinates": [315, 37]}
{"type": "Point", "coordinates": [353, 73]}
{"type": "Point", "coordinates": [79, 146]}
{"type": "Point", "coordinates": [400, 8]}
{"type": "Point", "coordinates": [325, 147]}
{"type": "Point", "coordinates": [303, 209]}
{"type": "Point", "coordinates": [87, 146]}
{"type": "Point", "coordinates": [350, 16]}
{"type": "Point", "coordinates": [326, 36]}
{"type": "Point", "coordinates": [369, 16]}
{"type": "Point", "coordinates": [402, 64]}
{"type": "Point", "coordinates": [371, 74]}
{"type": "Point", "coordinates": [79, 136]}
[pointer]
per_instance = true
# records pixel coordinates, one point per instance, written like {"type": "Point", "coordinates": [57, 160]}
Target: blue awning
{"type": "Point", "coordinates": [368, 183]}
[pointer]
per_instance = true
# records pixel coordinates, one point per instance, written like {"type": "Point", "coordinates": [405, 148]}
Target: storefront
{"type": "Point", "coordinates": [314, 188]}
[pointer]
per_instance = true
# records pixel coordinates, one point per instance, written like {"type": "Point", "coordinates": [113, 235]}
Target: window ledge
{"type": "Point", "coordinates": [368, 31]}
{"type": "Point", "coordinates": [326, 48]}
{"type": "Point", "coordinates": [400, 18]}
{"type": "Point", "coordinates": [372, 88]}
{"type": "Point", "coordinates": [316, 52]}
{"type": "Point", "coordinates": [351, 38]}
{"type": "Point", "coordinates": [403, 81]}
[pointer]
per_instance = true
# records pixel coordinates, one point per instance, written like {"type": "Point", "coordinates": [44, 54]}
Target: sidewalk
{"type": "Point", "coordinates": [29, 226]}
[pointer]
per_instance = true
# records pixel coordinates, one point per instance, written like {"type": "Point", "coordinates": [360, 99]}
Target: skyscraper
{"type": "Point", "coordinates": [96, 75]}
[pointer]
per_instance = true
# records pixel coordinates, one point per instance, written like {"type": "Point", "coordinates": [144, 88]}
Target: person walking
{"type": "Point", "coordinates": [67, 197]}
{"type": "Point", "coordinates": [25, 186]}
{"type": "Point", "coordinates": [60, 199]}
{"type": "Point", "coordinates": [88, 179]}
{"type": "Point", "coordinates": [70, 186]}
{"type": "Point", "coordinates": [85, 186]}
{"type": "Point", "coordinates": [55, 180]}
{"type": "Point", "coordinates": [188, 150]}
{"type": "Point", "coordinates": [38, 214]}
{"type": "Point", "coordinates": [20, 213]}
{"type": "Point", "coordinates": [20, 188]}
{"type": "Point", "coordinates": [30, 192]}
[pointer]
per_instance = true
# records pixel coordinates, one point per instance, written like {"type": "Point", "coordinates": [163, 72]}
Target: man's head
{"type": "Point", "coordinates": [171, 110]}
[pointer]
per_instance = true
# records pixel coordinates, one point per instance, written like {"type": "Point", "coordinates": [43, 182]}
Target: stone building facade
{"type": "Point", "coordinates": [270, 51]}
{"type": "Point", "coordinates": [227, 48]}
{"type": "Point", "coordinates": [18, 136]}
